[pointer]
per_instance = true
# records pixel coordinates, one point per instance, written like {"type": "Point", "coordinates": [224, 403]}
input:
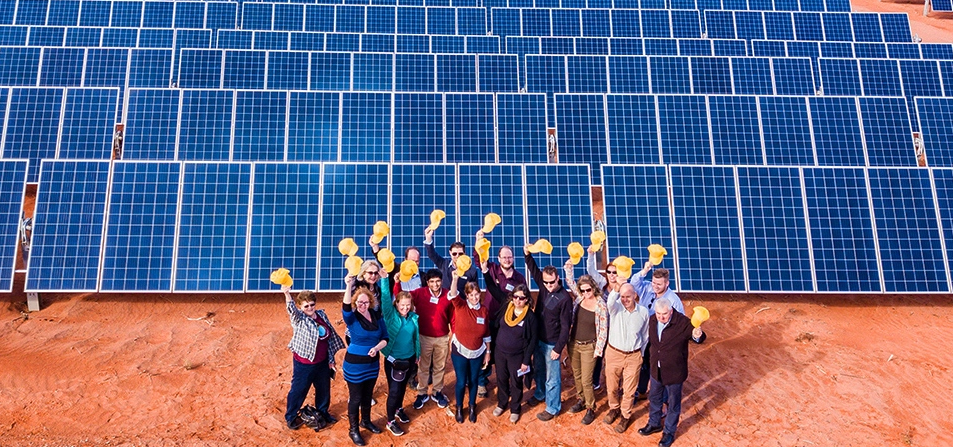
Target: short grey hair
{"type": "Point", "coordinates": [663, 305]}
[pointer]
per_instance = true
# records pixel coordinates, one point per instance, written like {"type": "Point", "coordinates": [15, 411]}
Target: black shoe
{"type": "Point", "coordinates": [419, 402]}
{"type": "Point", "coordinates": [648, 430]}
{"type": "Point", "coordinates": [402, 416]}
{"type": "Point", "coordinates": [394, 428]}
{"type": "Point", "coordinates": [545, 416]}
{"type": "Point", "coordinates": [667, 440]}
{"type": "Point", "coordinates": [612, 416]}
{"type": "Point", "coordinates": [440, 399]}
{"type": "Point", "coordinates": [296, 423]}
{"type": "Point", "coordinates": [624, 424]}
{"type": "Point", "coordinates": [329, 419]}
{"type": "Point", "coordinates": [533, 401]}
{"type": "Point", "coordinates": [472, 414]}
{"type": "Point", "coordinates": [371, 427]}
{"type": "Point", "coordinates": [356, 437]}
{"type": "Point", "coordinates": [589, 417]}
{"type": "Point", "coordinates": [459, 415]}
{"type": "Point", "coordinates": [578, 407]}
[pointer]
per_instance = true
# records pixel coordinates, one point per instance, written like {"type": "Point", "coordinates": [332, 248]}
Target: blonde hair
{"type": "Point", "coordinates": [586, 279]}
{"type": "Point", "coordinates": [368, 264]}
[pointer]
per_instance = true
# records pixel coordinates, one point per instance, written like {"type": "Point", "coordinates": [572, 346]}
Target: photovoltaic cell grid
{"type": "Point", "coordinates": [633, 129]}
{"type": "Point", "coordinates": [418, 128]}
{"type": "Point", "coordinates": [708, 240]}
{"type": "Point", "coordinates": [141, 227]}
{"type": "Point", "coordinates": [935, 116]}
{"type": "Point", "coordinates": [470, 128]}
{"type": "Point", "coordinates": [32, 126]}
{"type": "Point", "coordinates": [12, 191]}
{"type": "Point", "coordinates": [68, 226]}
{"type": "Point", "coordinates": [415, 191]}
{"type": "Point", "coordinates": [943, 187]}
{"type": "Point", "coordinates": [581, 124]}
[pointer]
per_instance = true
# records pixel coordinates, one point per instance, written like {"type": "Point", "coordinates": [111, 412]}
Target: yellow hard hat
{"type": "Point", "coordinates": [483, 249]}
{"type": "Point", "coordinates": [353, 265]}
{"type": "Point", "coordinates": [623, 265]}
{"type": "Point", "coordinates": [699, 315]}
{"type": "Point", "coordinates": [490, 221]}
{"type": "Point", "coordinates": [575, 252]}
{"type": "Point", "coordinates": [597, 237]}
{"type": "Point", "coordinates": [408, 269]}
{"type": "Point", "coordinates": [435, 217]}
{"type": "Point", "coordinates": [381, 230]}
{"type": "Point", "coordinates": [463, 264]}
{"type": "Point", "coordinates": [387, 259]}
{"type": "Point", "coordinates": [656, 252]}
{"type": "Point", "coordinates": [347, 247]}
{"type": "Point", "coordinates": [282, 277]}
{"type": "Point", "coordinates": [541, 245]}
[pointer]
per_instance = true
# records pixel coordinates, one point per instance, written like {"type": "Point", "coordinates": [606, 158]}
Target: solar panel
{"type": "Point", "coordinates": [557, 190]}
{"type": "Point", "coordinates": [498, 73]}
{"type": "Point", "coordinates": [412, 43]}
{"type": "Point", "coordinates": [62, 67]}
{"type": "Point", "coordinates": [331, 71]}
{"type": "Point", "coordinates": [319, 18]}
{"type": "Point", "coordinates": [373, 72]}
{"type": "Point", "coordinates": [244, 69]}
{"type": "Point", "coordinates": [655, 23]}
{"type": "Point", "coordinates": [260, 120]}
{"type": "Point", "coordinates": [366, 127]}
{"type": "Point", "coordinates": [838, 49]}
{"type": "Point", "coordinates": [205, 125]}
{"type": "Point", "coordinates": [837, 27]}
{"type": "Point", "coordinates": [287, 70]}
{"type": "Point", "coordinates": [695, 47]}
{"type": "Point", "coordinates": [632, 129]}
{"type": "Point", "coordinates": [920, 78]}
{"type": "Point", "coordinates": [903, 50]}
{"type": "Point", "coordinates": [496, 188]}
{"type": "Point", "coordinates": [566, 22]}
{"type": "Point", "coordinates": [416, 190]}
{"type": "Point", "coordinates": [625, 23]}
{"type": "Point", "coordinates": [546, 74]}
{"type": "Point", "coordinates": [793, 76]}
{"type": "Point", "coordinates": [778, 26]}
{"type": "Point", "coordinates": [711, 75]}
{"type": "Point", "coordinates": [418, 128]}
{"type": "Point", "coordinates": [188, 15]}
{"type": "Point", "coordinates": [837, 134]}
{"type": "Point", "coordinates": [456, 73]}
{"type": "Point", "coordinates": [84, 37]}
{"type": "Point", "coordinates": [378, 43]}
{"type": "Point", "coordinates": [441, 21]}
{"type": "Point", "coordinates": [141, 227]}
{"type": "Point", "coordinates": [636, 220]}
{"type": "Point", "coordinates": [670, 75]}
{"type": "Point", "coordinates": [68, 226]}
{"type": "Point", "coordinates": [629, 75]}
{"type": "Point", "coordinates": [887, 132]}
{"type": "Point", "coordinates": [213, 227]}
{"type": "Point", "coordinates": [752, 76]}
{"type": "Point", "coordinates": [866, 27]}
{"type": "Point", "coordinates": [313, 126]}
{"type": "Point", "coordinates": [597, 23]}
{"type": "Point", "coordinates": [907, 231]}
{"type": "Point", "coordinates": [353, 199]}
{"type": "Point", "coordinates": [470, 128]}
{"type": "Point", "coordinates": [934, 116]}
{"type": "Point", "coordinates": [749, 25]}
{"type": "Point", "coordinates": [344, 42]}
{"type": "Point", "coordinates": [840, 77]}
{"type": "Point", "coordinates": [89, 119]}
{"type": "Point", "coordinates": [786, 127]}
{"type": "Point", "coordinates": [720, 24]}
{"type": "Point", "coordinates": [735, 130]}
{"type": "Point", "coordinates": [942, 51]}
{"type": "Point", "coordinates": [943, 187]}
{"type": "Point", "coordinates": [414, 73]}
{"type": "Point", "coordinates": [708, 241]}
{"type": "Point", "coordinates": [896, 27]}
{"type": "Point", "coordinates": [32, 125]}
{"type": "Point", "coordinates": [521, 128]}
{"type": "Point", "coordinates": [12, 193]}
{"type": "Point", "coordinates": [151, 119]}
{"type": "Point", "coordinates": [13, 35]}
{"type": "Point", "coordinates": [626, 46]}
{"type": "Point", "coordinates": [126, 14]}
{"type": "Point", "coordinates": [157, 14]}
{"type": "Point", "coordinates": [106, 67]}
{"type": "Point", "coordinates": [65, 13]}
{"type": "Point", "coordinates": [881, 77]}
{"type": "Point", "coordinates": [842, 237]}
{"type": "Point", "coordinates": [684, 130]}
{"type": "Point", "coordinates": [46, 36]}
{"type": "Point", "coordinates": [587, 74]}
{"type": "Point", "coordinates": [581, 128]}
{"type": "Point", "coordinates": [306, 41]}
{"type": "Point", "coordinates": [200, 69]}
{"type": "Point", "coordinates": [807, 26]}
{"type": "Point", "coordinates": [31, 13]}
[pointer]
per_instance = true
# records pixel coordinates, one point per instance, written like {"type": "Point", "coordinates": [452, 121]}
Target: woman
{"type": "Point", "coordinates": [590, 330]}
{"type": "Point", "coordinates": [313, 344]}
{"type": "Point", "coordinates": [515, 341]}
{"type": "Point", "coordinates": [401, 352]}
{"type": "Point", "coordinates": [369, 277]}
{"type": "Point", "coordinates": [470, 344]}
{"type": "Point", "coordinates": [362, 363]}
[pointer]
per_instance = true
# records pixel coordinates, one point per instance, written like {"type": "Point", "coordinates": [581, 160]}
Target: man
{"type": "Point", "coordinates": [628, 335]}
{"type": "Point", "coordinates": [649, 292]}
{"type": "Point", "coordinates": [554, 316]}
{"type": "Point", "coordinates": [669, 333]}
{"type": "Point", "coordinates": [433, 312]}
{"type": "Point", "coordinates": [410, 254]}
{"type": "Point", "coordinates": [505, 276]}
{"type": "Point", "coordinates": [447, 266]}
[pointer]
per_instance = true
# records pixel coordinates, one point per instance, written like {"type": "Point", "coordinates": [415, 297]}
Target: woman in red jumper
{"type": "Point", "coordinates": [470, 344]}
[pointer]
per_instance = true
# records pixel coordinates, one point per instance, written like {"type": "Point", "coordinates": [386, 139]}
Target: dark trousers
{"type": "Point", "coordinates": [656, 397]}
{"type": "Point", "coordinates": [644, 374]}
{"type": "Point", "coordinates": [509, 387]}
{"type": "Point", "coordinates": [360, 401]}
{"type": "Point", "coordinates": [303, 377]}
{"type": "Point", "coordinates": [396, 390]}
{"type": "Point", "coordinates": [597, 369]}
{"type": "Point", "coordinates": [467, 371]}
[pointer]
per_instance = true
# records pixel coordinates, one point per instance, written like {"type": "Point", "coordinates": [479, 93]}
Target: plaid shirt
{"type": "Point", "coordinates": [304, 342]}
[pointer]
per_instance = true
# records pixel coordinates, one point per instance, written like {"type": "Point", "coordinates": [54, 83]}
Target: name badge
{"type": "Point", "coordinates": [391, 358]}
{"type": "Point", "coordinates": [520, 324]}
{"type": "Point", "coordinates": [480, 320]}
{"type": "Point", "coordinates": [434, 299]}
{"type": "Point", "coordinates": [509, 287]}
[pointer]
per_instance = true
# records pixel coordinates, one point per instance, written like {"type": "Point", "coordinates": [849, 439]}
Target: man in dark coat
{"type": "Point", "coordinates": [669, 334]}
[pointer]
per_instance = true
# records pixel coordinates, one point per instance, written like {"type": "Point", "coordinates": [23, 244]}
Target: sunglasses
{"type": "Point", "coordinates": [519, 297]}
{"type": "Point", "coordinates": [550, 282]}
{"type": "Point", "coordinates": [586, 290]}
{"type": "Point", "coordinates": [372, 273]}
{"type": "Point", "coordinates": [307, 306]}
{"type": "Point", "coordinates": [611, 272]}
{"type": "Point", "coordinates": [456, 253]}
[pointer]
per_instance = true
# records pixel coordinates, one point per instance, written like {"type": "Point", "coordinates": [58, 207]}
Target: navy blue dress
{"type": "Point", "coordinates": [358, 367]}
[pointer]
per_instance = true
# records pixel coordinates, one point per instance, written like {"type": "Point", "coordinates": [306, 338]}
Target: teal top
{"type": "Point", "coordinates": [404, 332]}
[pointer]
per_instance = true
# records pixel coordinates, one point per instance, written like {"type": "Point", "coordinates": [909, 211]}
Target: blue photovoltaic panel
{"type": "Point", "coordinates": [881, 77]}
{"type": "Point", "coordinates": [655, 23]}
{"type": "Point", "coordinates": [416, 190]}
{"type": "Point", "coordinates": [769, 48]}
{"type": "Point", "coordinates": [492, 188]}
{"type": "Point", "coordinates": [354, 197]}
{"type": "Point", "coordinates": [158, 14]}
{"type": "Point", "coordinates": [521, 128]}
{"type": "Point", "coordinates": [628, 74]}
{"type": "Point", "coordinates": [793, 76]}
{"type": "Point", "coordinates": [711, 75]}
{"type": "Point", "coordinates": [935, 116]}
{"type": "Point", "coordinates": [410, 43]}
{"type": "Point", "coordinates": [287, 70]}
{"type": "Point", "coordinates": [592, 46]}
{"type": "Point", "coordinates": [456, 73]}
{"type": "Point", "coordinates": [908, 234]}
{"type": "Point", "coordinates": [140, 227]}
{"type": "Point", "coordinates": [106, 67]}
{"type": "Point", "coordinates": [707, 232]}
{"type": "Point", "coordinates": [62, 67]}
{"type": "Point", "coordinates": [887, 132]}
{"type": "Point", "coordinates": [498, 74]}
{"type": "Point", "coordinates": [942, 51]}
{"type": "Point", "coordinates": [373, 71]}
{"type": "Point", "coordinates": [842, 236]}
{"type": "Point", "coordinates": [626, 46]}
{"type": "Point", "coordinates": [866, 27]}
{"type": "Point", "coordinates": [838, 49]}
{"type": "Point", "coordinates": [150, 68]}
{"type": "Point", "coordinates": [313, 123]}
{"type": "Point", "coordinates": [695, 47]}
{"type": "Point", "coordinates": [752, 76]}
{"type": "Point", "coordinates": [670, 75]}
{"type": "Point", "coordinates": [244, 69]}
{"type": "Point", "coordinates": [260, 119]}
{"type": "Point", "coordinates": [470, 128]}
{"type": "Point", "coordinates": [566, 22]}
{"type": "Point", "coordinates": [213, 227]}
{"type": "Point", "coordinates": [64, 13]}
{"type": "Point", "coordinates": [19, 66]}
{"type": "Point", "coordinates": [30, 12]}
{"type": "Point", "coordinates": [920, 78]}
{"type": "Point", "coordinates": [414, 73]}
{"type": "Point", "coordinates": [205, 125]}
{"type": "Point", "coordinates": [558, 207]}
{"type": "Point", "coordinates": [942, 5]}
{"type": "Point", "coordinates": [896, 27]}
{"type": "Point", "coordinates": [686, 24]}
{"type": "Point", "coordinates": [366, 127]}
{"type": "Point", "coordinates": [778, 26]}
{"type": "Point", "coordinates": [903, 50]}
{"type": "Point", "coordinates": [319, 18]}
{"type": "Point", "coordinates": [89, 120]}
{"type": "Point", "coordinates": [786, 127]}
{"type": "Point", "coordinates": [546, 74]}
{"type": "Point", "coordinates": [840, 77]}
{"type": "Point", "coordinates": [284, 224]}
{"type": "Point", "coordinates": [32, 125]}
{"type": "Point", "coordinates": [200, 69]}
{"type": "Point", "coordinates": [47, 36]}
{"type": "Point", "coordinates": [68, 226]}
{"type": "Point", "coordinates": [837, 136]}
{"type": "Point", "coordinates": [344, 42]}
{"type": "Point", "coordinates": [536, 22]}
{"type": "Point", "coordinates": [637, 211]}
{"type": "Point", "coordinates": [581, 131]}
{"type": "Point", "coordinates": [287, 18]}
{"type": "Point", "coordinates": [587, 74]}
{"type": "Point", "coordinates": [633, 129]}
{"type": "Point", "coordinates": [306, 41]}
{"type": "Point", "coordinates": [749, 25]}
{"type": "Point", "coordinates": [330, 71]}
{"type": "Point", "coordinates": [12, 192]}
{"type": "Point", "coordinates": [870, 50]}
{"type": "Point", "coordinates": [943, 185]}
{"type": "Point", "coordinates": [152, 118]}
{"type": "Point", "coordinates": [807, 26]}
{"type": "Point", "coordinates": [735, 130]}
{"type": "Point", "coordinates": [683, 125]}
{"type": "Point", "coordinates": [837, 28]}
{"type": "Point", "coordinates": [597, 23]}
{"type": "Point", "coordinates": [775, 230]}
{"type": "Point", "coordinates": [418, 128]}
{"type": "Point", "coordinates": [127, 14]}
{"type": "Point", "coordinates": [737, 48]}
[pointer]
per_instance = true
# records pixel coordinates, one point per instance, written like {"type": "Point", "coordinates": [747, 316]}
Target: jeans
{"type": "Point", "coordinates": [395, 389]}
{"type": "Point", "coordinates": [360, 401]}
{"type": "Point", "coordinates": [302, 378]}
{"type": "Point", "coordinates": [548, 378]}
{"type": "Point", "coordinates": [467, 371]}
{"type": "Point", "coordinates": [674, 405]}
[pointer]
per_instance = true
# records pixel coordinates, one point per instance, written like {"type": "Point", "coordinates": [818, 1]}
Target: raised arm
{"type": "Point", "coordinates": [346, 308]}
{"type": "Point", "coordinates": [435, 257]}
{"type": "Point", "coordinates": [293, 312]}
{"type": "Point", "coordinates": [593, 271]}
{"type": "Point", "coordinates": [387, 300]}
{"type": "Point", "coordinates": [534, 271]}
{"type": "Point", "coordinates": [491, 286]}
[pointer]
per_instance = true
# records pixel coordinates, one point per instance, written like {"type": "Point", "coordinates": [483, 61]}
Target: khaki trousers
{"type": "Point", "coordinates": [433, 351]}
{"type": "Point", "coordinates": [624, 367]}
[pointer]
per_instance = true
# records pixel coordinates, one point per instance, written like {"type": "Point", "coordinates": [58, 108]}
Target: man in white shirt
{"type": "Point", "coordinates": [628, 335]}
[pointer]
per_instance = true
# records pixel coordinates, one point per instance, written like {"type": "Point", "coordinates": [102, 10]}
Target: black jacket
{"type": "Point", "coordinates": [669, 356]}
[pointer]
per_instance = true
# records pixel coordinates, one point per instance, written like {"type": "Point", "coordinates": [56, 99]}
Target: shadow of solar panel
{"type": "Point", "coordinates": [887, 132]}
{"type": "Point", "coordinates": [837, 135]}
{"type": "Point", "coordinates": [683, 129]}
{"type": "Point", "coordinates": [416, 190]}
{"type": "Point", "coordinates": [12, 193]}
{"type": "Point", "coordinates": [786, 127]}
{"type": "Point", "coordinates": [521, 128]}
{"type": "Point", "coordinates": [68, 226]}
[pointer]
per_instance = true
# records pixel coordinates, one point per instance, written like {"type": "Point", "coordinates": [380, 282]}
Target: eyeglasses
{"type": "Point", "coordinates": [363, 303]}
{"type": "Point", "coordinates": [550, 282]}
{"type": "Point", "coordinates": [376, 273]}
{"type": "Point", "coordinates": [519, 297]}
{"type": "Point", "coordinates": [456, 253]}
{"type": "Point", "coordinates": [307, 305]}
{"type": "Point", "coordinates": [611, 272]}
{"type": "Point", "coordinates": [588, 290]}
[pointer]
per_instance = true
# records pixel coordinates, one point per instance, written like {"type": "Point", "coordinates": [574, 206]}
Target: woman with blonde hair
{"type": "Point", "coordinates": [587, 340]}
{"type": "Point", "coordinates": [401, 352]}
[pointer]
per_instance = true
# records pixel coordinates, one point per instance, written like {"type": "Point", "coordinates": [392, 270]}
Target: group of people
{"type": "Point", "coordinates": [634, 330]}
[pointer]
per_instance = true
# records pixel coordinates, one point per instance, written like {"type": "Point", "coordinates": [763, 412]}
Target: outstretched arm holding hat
{"type": "Point", "coordinates": [593, 271]}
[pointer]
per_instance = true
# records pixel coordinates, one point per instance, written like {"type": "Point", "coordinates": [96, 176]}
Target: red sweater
{"type": "Point", "coordinates": [470, 326]}
{"type": "Point", "coordinates": [432, 317]}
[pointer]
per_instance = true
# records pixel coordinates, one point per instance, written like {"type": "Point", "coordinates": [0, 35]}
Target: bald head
{"type": "Point", "coordinates": [628, 297]}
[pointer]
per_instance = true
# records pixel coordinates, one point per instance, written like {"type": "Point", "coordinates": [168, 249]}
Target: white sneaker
{"type": "Point", "coordinates": [514, 417]}
{"type": "Point", "coordinates": [498, 411]}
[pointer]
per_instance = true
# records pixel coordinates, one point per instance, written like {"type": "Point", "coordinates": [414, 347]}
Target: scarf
{"type": "Point", "coordinates": [511, 318]}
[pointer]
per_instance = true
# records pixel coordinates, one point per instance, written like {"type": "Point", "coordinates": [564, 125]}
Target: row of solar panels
{"type": "Point", "coordinates": [940, 5]}
{"type": "Point", "coordinates": [167, 226]}
{"type": "Point", "coordinates": [760, 5]}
